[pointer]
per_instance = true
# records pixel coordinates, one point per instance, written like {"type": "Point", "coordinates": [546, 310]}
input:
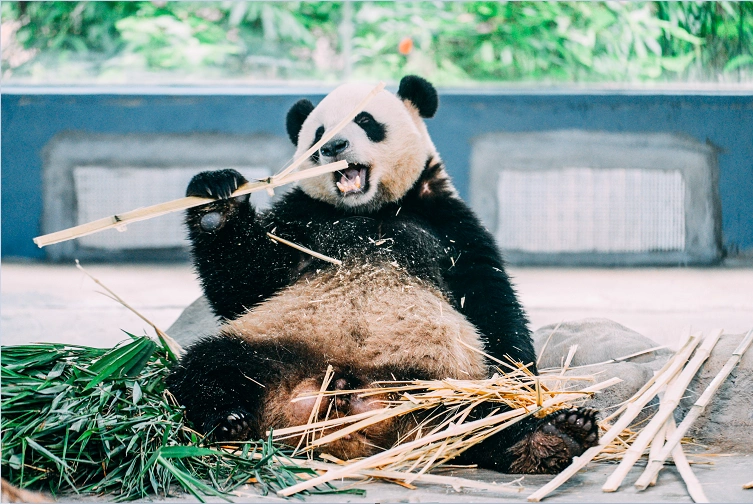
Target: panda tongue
{"type": "Point", "coordinates": [351, 180]}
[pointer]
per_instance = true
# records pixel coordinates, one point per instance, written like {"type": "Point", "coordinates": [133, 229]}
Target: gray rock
{"type": "Point", "coordinates": [598, 340]}
{"type": "Point", "coordinates": [196, 321]}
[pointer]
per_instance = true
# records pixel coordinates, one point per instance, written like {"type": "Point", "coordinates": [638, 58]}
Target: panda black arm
{"type": "Point", "coordinates": [473, 270]}
{"type": "Point", "coordinates": [237, 264]}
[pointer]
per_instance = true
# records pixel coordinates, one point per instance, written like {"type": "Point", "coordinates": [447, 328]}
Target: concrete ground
{"type": "Point", "coordinates": [41, 302]}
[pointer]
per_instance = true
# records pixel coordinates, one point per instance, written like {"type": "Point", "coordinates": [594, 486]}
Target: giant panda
{"type": "Point", "coordinates": [421, 293]}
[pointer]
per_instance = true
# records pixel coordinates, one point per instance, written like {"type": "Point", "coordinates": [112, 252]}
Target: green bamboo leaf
{"type": "Point", "coordinates": [44, 451]}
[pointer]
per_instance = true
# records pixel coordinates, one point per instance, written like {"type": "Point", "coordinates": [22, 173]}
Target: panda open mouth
{"type": "Point", "coordinates": [353, 180]}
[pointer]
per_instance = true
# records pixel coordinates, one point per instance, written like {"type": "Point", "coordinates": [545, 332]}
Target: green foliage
{"type": "Point", "coordinates": [453, 42]}
{"type": "Point", "coordinates": [91, 420]}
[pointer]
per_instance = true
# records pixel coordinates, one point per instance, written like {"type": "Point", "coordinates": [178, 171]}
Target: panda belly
{"type": "Point", "coordinates": [369, 316]}
{"type": "Point", "coordinates": [369, 322]}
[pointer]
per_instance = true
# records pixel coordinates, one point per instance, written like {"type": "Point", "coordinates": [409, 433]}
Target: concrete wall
{"type": "Point", "coordinates": [31, 119]}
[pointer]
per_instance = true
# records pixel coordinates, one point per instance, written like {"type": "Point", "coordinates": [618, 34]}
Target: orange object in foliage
{"type": "Point", "coordinates": [405, 46]}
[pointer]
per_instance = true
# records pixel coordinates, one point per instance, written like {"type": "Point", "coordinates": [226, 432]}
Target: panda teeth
{"type": "Point", "coordinates": [341, 186]}
{"type": "Point", "coordinates": [357, 183]}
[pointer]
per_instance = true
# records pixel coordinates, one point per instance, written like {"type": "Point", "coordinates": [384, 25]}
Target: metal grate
{"type": "Point", "coordinates": [103, 191]}
{"type": "Point", "coordinates": [591, 210]}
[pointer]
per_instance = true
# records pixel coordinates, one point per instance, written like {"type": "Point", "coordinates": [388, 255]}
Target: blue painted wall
{"type": "Point", "coordinates": [29, 121]}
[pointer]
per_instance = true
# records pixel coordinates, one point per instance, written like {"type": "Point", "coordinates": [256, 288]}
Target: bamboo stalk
{"type": "Point", "coordinates": [139, 214]}
{"type": "Point", "coordinates": [304, 249]}
{"type": "Point", "coordinates": [634, 407]}
{"type": "Point", "coordinates": [655, 464]}
{"type": "Point", "coordinates": [667, 407]}
{"type": "Point", "coordinates": [546, 343]}
{"type": "Point", "coordinates": [498, 421]}
{"type": "Point", "coordinates": [683, 467]}
{"type": "Point", "coordinates": [651, 382]}
{"type": "Point", "coordinates": [656, 445]}
{"type": "Point", "coordinates": [173, 345]}
{"type": "Point", "coordinates": [748, 485]}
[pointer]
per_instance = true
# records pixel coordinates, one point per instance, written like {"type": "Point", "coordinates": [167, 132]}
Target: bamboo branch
{"type": "Point", "coordinates": [282, 178]}
{"type": "Point", "coordinates": [173, 345]}
{"type": "Point", "coordinates": [655, 464]}
{"type": "Point", "coordinates": [304, 249]}
{"type": "Point", "coordinates": [634, 407]}
{"type": "Point", "coordinates": [656, 445]}
{"type": "Point", "coordinates": [121, 220]}
{"type": "Point", "coordinates": [683, 467]}
{"type": "Point", "coordinates": [669, 402]}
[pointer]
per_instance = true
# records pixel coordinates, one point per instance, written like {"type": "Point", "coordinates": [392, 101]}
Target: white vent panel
{"type": "Point", "coordinates": [591, 210]}
{"type": "Point", "coordinates": [101, 192]}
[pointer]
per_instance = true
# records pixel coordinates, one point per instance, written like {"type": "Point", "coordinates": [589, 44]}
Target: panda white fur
{"type": "Point", "coordinates": [421, 281]}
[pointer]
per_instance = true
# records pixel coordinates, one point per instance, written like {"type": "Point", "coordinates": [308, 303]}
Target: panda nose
{"type": "Point", "coordinates": [334, 147]}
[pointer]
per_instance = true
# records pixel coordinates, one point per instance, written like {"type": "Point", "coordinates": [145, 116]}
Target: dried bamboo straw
{"type": "Point", "coordinates": [610, 361]}
{"type": "Point", "coordinates": [668, 404]}
{"type": "Point", "coordinates": [453, 481]}
{"type": "Point", "coordinates": [634, 407]}
{"type": "Point", "coordinates": [120, 220]}
{"type": "Point", "coordinates": [748, 485]}
{"type": "Point", "coordinates": [683, 467]}
{"type": "Point", "coordinates": [696, 410]}
{"type": "Point", "coordinates": [498, 421]}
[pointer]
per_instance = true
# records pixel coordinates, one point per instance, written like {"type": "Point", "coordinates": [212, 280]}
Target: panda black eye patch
{"type": "Point", "coordinates": [317, 137]}
{"type": "Point", "coordinates": [375, 130]}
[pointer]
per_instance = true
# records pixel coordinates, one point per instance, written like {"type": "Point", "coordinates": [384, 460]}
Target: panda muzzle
{"type": "Point", "coordinates": [353, 179]}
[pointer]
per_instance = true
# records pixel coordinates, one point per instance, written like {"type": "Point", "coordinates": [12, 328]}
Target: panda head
{"type": "Point", "coordinates": [386, 146]}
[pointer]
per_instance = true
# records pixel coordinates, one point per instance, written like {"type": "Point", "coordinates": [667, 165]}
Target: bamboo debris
{"type": "Point", "coordinates": [632, 409]}
{"type": "Point", "coordinates": [168, 341]}
{"type": "Point", "coordinates": [455, 435]}
{"type": "Point", "coordinates": [683, 467]}
{"type": "Point", "coordinates": [748, 485]}
{"type": "Point", "coordinates": [120, 221]}
{"type": "Point", "coordinates": [304, 249]}
{"type": "Point", "coordinates": [669, 402]}
{"type": "Point", "coordinates": [655, 463]}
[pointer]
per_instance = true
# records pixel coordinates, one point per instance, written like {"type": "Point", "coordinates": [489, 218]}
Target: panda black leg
{"type": "Point", "coordinates": [220, 382]}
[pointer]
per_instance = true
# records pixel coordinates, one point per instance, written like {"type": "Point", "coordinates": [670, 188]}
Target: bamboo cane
{"type": "Point", "coordinates": [282, 178]}
{"type": "Point", "coordinates": [696, 410]}
{"type": "Point", "coordinates": [120, 220]}
{"type": "Point", "coordinates": [668, 404]}
{"type": "Point", "coordinates": [656, 445]}
{"type": "Point", "coordinates": [634, 407]}
{"type": "Point", "coordinates": [695, 490]}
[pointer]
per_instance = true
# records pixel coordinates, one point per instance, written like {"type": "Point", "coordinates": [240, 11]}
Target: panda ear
{"type": "Point", "coordinates": [420, 93]}
{"type": "Point", "coordinates": [296, 116]}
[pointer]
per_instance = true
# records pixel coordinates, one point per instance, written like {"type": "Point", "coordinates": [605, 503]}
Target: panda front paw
{"type": "Point", "coordinates": [218, 184]}
{"type": "Point", "coordinates": [236, 426]}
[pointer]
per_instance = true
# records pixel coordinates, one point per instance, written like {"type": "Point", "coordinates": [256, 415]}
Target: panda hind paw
{"type": "Point", "coordinates": [218, 184]}
{"type": "Point", "coordinates": [557, 439]}
{"type": "Point", "coordinates": [236, 426]}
